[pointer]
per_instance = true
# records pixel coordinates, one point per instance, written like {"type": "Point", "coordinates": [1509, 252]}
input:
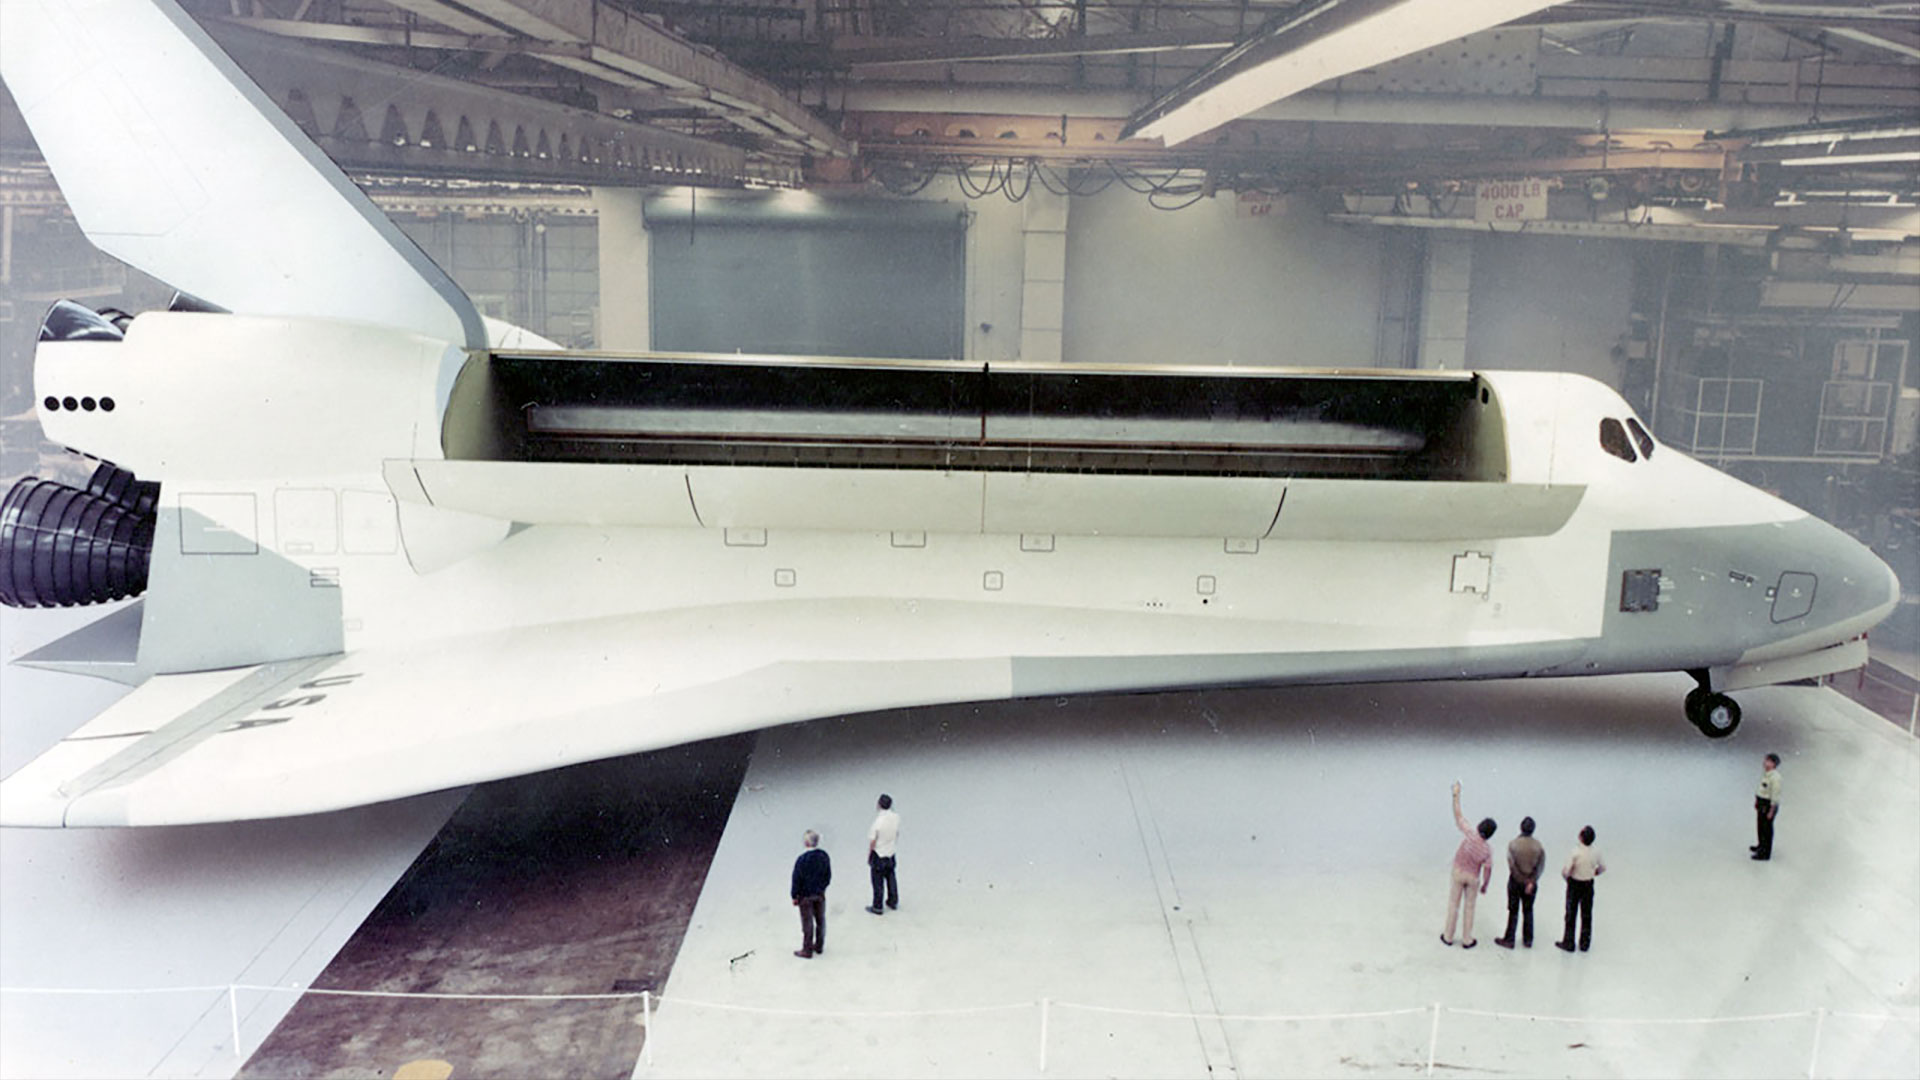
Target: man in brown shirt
{"type": "Point", "coordinates": [1525, 857]}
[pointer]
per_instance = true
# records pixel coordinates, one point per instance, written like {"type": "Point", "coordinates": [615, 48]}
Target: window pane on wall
{"type": "Point", "coordinates": [877, 280]}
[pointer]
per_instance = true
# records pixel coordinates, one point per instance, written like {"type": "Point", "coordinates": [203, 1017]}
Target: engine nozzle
{"type": "Point", "coordinates": [64, 547]}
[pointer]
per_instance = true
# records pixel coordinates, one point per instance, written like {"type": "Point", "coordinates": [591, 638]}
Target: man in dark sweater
{"type": "Point", "coordinates": [812, 872]}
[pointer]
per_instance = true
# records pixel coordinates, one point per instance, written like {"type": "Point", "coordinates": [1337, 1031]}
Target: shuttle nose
{"type": "Point", "coordinates": [1856, 588]}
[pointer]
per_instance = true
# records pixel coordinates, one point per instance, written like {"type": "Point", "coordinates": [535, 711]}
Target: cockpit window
{"type": "Point", "coordinates": [1641, 437]}
{"type": "Point", "coordinates": [1613, 439]}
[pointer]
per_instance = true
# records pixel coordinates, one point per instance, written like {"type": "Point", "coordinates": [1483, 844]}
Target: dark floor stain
{"type": "Point", "coordinates": [576, 881]}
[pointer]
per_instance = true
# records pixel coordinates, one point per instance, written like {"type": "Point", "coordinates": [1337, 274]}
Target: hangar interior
{"type": "Point", "coordinates": [1705, 204]}
{"type": "Point", "coordinates": [1709, 205]}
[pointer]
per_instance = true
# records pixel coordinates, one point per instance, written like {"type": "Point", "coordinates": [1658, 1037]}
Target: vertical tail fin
{"type": "Point", "coordinates": [175, 162]}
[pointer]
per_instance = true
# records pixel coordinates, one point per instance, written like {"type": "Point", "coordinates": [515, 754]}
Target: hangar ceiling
{"type": "Point", "coordinates": [1762, 113]}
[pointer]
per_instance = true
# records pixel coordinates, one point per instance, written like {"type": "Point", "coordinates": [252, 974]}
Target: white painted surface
{"type": "Point", "coordinates": [1258, 854]}
{"type": "Point", "coordinates": [1245, 854]}
{"type": "Point", "coordinates": [266, 903]}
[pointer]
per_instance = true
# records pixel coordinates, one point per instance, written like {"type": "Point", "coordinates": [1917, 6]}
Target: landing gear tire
{"type": "Point", "coordinates": [1716, 715]}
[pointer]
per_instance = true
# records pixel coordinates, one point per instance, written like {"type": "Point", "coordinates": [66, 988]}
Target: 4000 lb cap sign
{"type": "Point", "coordinates": [1510, 200]}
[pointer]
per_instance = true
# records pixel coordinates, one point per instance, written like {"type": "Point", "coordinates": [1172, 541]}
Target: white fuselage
{"type": "Point", "coordinates": [338, 612]}
{"type": "Point", "coordinates": [324, 446]}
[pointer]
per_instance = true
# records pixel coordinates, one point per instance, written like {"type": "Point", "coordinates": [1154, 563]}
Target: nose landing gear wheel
{"type": "Point", "coordinates": [1716, 715]}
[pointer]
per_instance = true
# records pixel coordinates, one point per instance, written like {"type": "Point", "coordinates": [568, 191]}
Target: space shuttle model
{"type": "Point", "coordinates": [382, 546]}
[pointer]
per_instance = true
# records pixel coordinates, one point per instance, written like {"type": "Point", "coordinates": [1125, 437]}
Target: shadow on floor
{"type": "Point", "coordinates": [575, 881]}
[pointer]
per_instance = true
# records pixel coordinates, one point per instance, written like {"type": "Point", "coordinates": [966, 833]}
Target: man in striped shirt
{"type": "Point", "coordinates": [1472, 864]}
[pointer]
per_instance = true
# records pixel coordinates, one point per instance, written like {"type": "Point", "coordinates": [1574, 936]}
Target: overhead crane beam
{"type": "Point", "coordinates": [625, 48]}
{"type": "Point", "coordinates": [374, 116]}
{"type": "Point", "coordinates": [603, 42]}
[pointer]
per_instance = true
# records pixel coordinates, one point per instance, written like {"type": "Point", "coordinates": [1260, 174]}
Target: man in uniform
{"type": "Point", "coordinates": [1766, 805]}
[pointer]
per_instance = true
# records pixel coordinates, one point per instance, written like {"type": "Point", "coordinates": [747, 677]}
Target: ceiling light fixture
{"type": "Point", "coordinates": [1827, 138]}
{"type": "Point", "coordinates": [1331, 39]}
{"type": "Point", "coordinates": [1889, 158]}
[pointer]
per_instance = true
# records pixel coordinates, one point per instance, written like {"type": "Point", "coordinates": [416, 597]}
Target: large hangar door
{"type": "Point", "coordinates": [819, 279]}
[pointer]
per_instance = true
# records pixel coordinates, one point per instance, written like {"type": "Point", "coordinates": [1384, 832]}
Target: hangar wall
{"type": "Point", "coordinates": [1550, 303]}
{"type": "Point", "coordinates": [1213, 284]}
{"type": "Point", "coordinates": [996, 253]}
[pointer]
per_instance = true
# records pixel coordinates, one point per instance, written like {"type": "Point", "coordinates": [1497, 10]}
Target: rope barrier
{"type": "Point", "coordinates": [657, 999]}
{"type": "Point", "coordinates": [1263, 1017]}
{"type": "Point", "coordinates": [1655, 1020]}
{"type": "Point", "coordinates": [223, 988]}
{"type": "Point", "coordinates": [437, 995]}
{"type": "Point", "coordinates": [1045, 1007]}
{"type": "Point", "coordinates": [879, 1014]}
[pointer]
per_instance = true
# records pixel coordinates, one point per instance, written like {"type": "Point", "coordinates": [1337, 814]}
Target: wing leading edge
{"type": "Point", "coordinates": [335, 731]}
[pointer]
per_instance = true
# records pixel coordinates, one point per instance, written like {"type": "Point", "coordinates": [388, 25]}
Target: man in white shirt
{"type": "Point", "coordinates": [882, 836]}
{"type": "Point", "coordinates": [1582, 867]}
{"type": "Point", "coordinates": [1766, 806]}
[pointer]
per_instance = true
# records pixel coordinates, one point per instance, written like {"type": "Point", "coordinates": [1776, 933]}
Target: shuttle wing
{"type": "Point", "coordinates": [328, 732]}
{"type": "Point", "coordinates": [175, 162]}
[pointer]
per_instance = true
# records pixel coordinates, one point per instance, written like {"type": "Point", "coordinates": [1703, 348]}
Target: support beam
{"type": "Point", "coordinates": [603, 42]}
{"type": "Point", "coordinates": [1043, 295]}
{"type": "Point", "coordinates": [944, 50]}
{"type": "Point", "coordinates": [1905, 44]}
{"type": "Point", "coordinates": [1329, 39]}
{"type": "Point", "coordinates": [1742, 236]}
{"type": "Point", "coordinates": [626, 44]}
{"type": "Point", "coordinates": [1446, 288]}
{"type": "Point", "coordinates": [444, 14]}
{"type": "Point", "coordinates": [625, 321]}
{"type": "Point", "coordinates": [378, 117]}
{"type": "Point", "coordinates": [1573, 113]}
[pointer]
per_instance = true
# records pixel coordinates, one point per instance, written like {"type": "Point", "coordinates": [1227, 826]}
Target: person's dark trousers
{"type": "Point", "coordinates": [1763, 828]}
{"type": "Point", "coordinates": [1580, 902]}
{"type": "Point", "coordinates": [1519, 909]}
{"type": "Point", "coordinates": [881, 870]}
{"type": "Point", "coordinates": [813, 924]}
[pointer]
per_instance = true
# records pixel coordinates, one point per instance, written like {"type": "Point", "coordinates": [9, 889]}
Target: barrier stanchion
{"type": "Point", "coordinates": [233, 1014]}
{"type": "Point", "coordinates": [1813, 1057]}
{"type": "Point", "coordinates": [646, 1011]}
{"type": "Point", "coordinates": [1043, 1034]}
{"type": "Point", "coordinates": [1433, 1039]}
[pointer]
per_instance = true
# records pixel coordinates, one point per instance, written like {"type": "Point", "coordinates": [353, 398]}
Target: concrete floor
{"type": "Point", "coordinates": [1165, 885]}
{"type": "Point", "coordinates": [1174, 875]}
{"type": "Point", "coordinates": [143, 913]}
